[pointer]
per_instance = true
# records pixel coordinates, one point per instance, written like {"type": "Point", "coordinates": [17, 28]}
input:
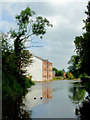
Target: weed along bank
{"type": "Point", "coordinates": [40, 69]}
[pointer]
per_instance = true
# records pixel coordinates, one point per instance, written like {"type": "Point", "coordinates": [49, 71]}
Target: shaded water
{"type": "Point", "coordinates": [56, 99]}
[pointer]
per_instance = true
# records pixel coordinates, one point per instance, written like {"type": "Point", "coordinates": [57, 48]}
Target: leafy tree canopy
{"type": "Point", "coordinates": [58, 72]}
{"type": "Point", "coordinates": [81, 61]}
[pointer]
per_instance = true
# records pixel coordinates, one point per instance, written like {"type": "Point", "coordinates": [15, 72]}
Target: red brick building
{"type": "Point", "coordinates": [47, 72]}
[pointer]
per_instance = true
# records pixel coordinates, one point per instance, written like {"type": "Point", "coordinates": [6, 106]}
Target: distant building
{"type": "Point", "coordinates": [53, 73]}
{"type": "Point", "coordinates": [64, 75]}
{"type": "Point", "coordinates": [40, 69]}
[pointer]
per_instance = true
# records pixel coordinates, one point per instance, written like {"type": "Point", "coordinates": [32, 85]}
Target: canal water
{"type": "Point", "coordinates": [55, 99]}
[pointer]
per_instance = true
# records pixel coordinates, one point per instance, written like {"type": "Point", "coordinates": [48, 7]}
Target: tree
{"type": "Point", "coordinates": [27, 27]}
{"type": "Point", "coordinates": [63, 70]}
{"type": "Point", "coordinates": [58, 72]}
{"type": "Point", "coordinates": [14, 58]}
{"type": "Point", "coordinates": [69, 75]}
{"type": "Point", "coordinates": [82, 44]}
{"type": "Point", "coordinates": [75, 66]}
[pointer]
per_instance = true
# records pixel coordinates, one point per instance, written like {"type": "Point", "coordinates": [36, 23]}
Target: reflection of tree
{"type": "Point", "coordinates": [14, 111]}
{"type": "Point", "coordinates": [77, 93]}
{"type": "Point", "coordinates": [78, 96]}
{"type": "Point", "coordinates": [83, 112]}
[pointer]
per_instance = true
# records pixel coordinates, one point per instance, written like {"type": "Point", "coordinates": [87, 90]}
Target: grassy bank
{"type": "Point", "coordinates": [57, 78]}
{"type": "Point", "coordinates": [61, 78]}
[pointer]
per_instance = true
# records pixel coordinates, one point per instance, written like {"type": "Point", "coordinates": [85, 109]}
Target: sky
{"type": "Point", "coordinates": [66, 16]}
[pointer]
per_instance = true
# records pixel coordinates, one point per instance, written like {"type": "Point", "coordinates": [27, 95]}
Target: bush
{"type": "Point", "coordinates": [57, 78]}
{"type": "Point", "coordinates": [69, 76]}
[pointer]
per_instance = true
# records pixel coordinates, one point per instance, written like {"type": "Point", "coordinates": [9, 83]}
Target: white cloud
{"type": "Point", "coordinates": [13, 8]}
{"type": "Point", "coordinates": [7, 25]}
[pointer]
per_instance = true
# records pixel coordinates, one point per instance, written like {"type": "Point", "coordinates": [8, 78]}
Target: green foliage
{"type": "Point", "coordinates": [83, 110]}
{"type": "Point", "coordinates": [26, 28]}
{"type": "Point", "coordinates": [61, 73]}
{"type": "Point", "coordinates": [63, 70]}
{"type": "Point", "coordinates": [77, 93]}
{"type": "Point", "coordinates": [5, 44]}
{"type": "Point", "coordinates": [38, 27]}
{"type": "Point", "coordinates": [26, 58]}
{"type": "Point", "coordinates": [69, 75]}
{"type": "Point", "coordinates": [75, 66]}
{"type": "Point", "coordinates": [25, 22]}
{"type": "Point", "coordinates": [10, 87]}
{"type": "Point", "coordinates": [58, 72]}
{"type": "Point", "coordinates": [13, 84]}
{"type": "Point", "coordinates": [81, 62]}
{"type": "Point", "coordinates": [82, 44]}
{"type": "Point", "coordinates": [57, 78]}
{"type": "Point", "coordinates": [83, 75]}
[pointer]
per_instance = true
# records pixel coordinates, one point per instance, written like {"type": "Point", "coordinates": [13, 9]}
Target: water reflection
{"type": "Point", "coordinates": [83, 111]}
{"type": "Point", "coordinates": [53, 100]}
{"type": "Point", "coordinates": [14, 111]}
{"type": "Point", "coordinates": [46, 92]}
{"type": "Point", "coordinates": [82, 102]}
{"type": "Point", "coordinates": [77, 93]}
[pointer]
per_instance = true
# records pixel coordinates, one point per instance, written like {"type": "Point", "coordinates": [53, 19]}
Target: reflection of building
{"type": "Point", "coordinates": [40, 69]}
{"type": "Point", "coordinates": [46, 90]}
{"type": "Point", "coordinates": [47, 93]}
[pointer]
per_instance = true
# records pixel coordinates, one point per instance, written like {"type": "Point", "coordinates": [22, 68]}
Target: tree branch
{"type": "Point", "coordinates": [26, 37]}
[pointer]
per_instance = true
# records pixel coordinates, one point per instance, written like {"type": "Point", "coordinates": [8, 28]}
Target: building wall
{"type": "Point", "coordinates": [35, 69]}
{"type": "Point", "coordinates": [46, 70]}
{"type": "Point", "coordinates": [50, 72]}
{"type": "Point", "coordinates": [40, 69]}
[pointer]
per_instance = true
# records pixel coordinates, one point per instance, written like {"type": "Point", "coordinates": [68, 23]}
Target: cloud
{"type": "Point", "coordinates": [7, 26]}
{"type": "Point", "coordinates": [12, 9]}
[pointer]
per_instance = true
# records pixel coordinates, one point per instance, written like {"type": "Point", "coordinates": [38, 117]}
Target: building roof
{"type": "Point", "coordinates": [41, 58]}
{"type": "Point", "coordinates": [38, 57]}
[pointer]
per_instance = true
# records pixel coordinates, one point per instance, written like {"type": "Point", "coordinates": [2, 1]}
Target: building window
{"type": "Point", "coordinates": [44, 69]}
{"type": "Point", "coordinates": [44, 76]}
